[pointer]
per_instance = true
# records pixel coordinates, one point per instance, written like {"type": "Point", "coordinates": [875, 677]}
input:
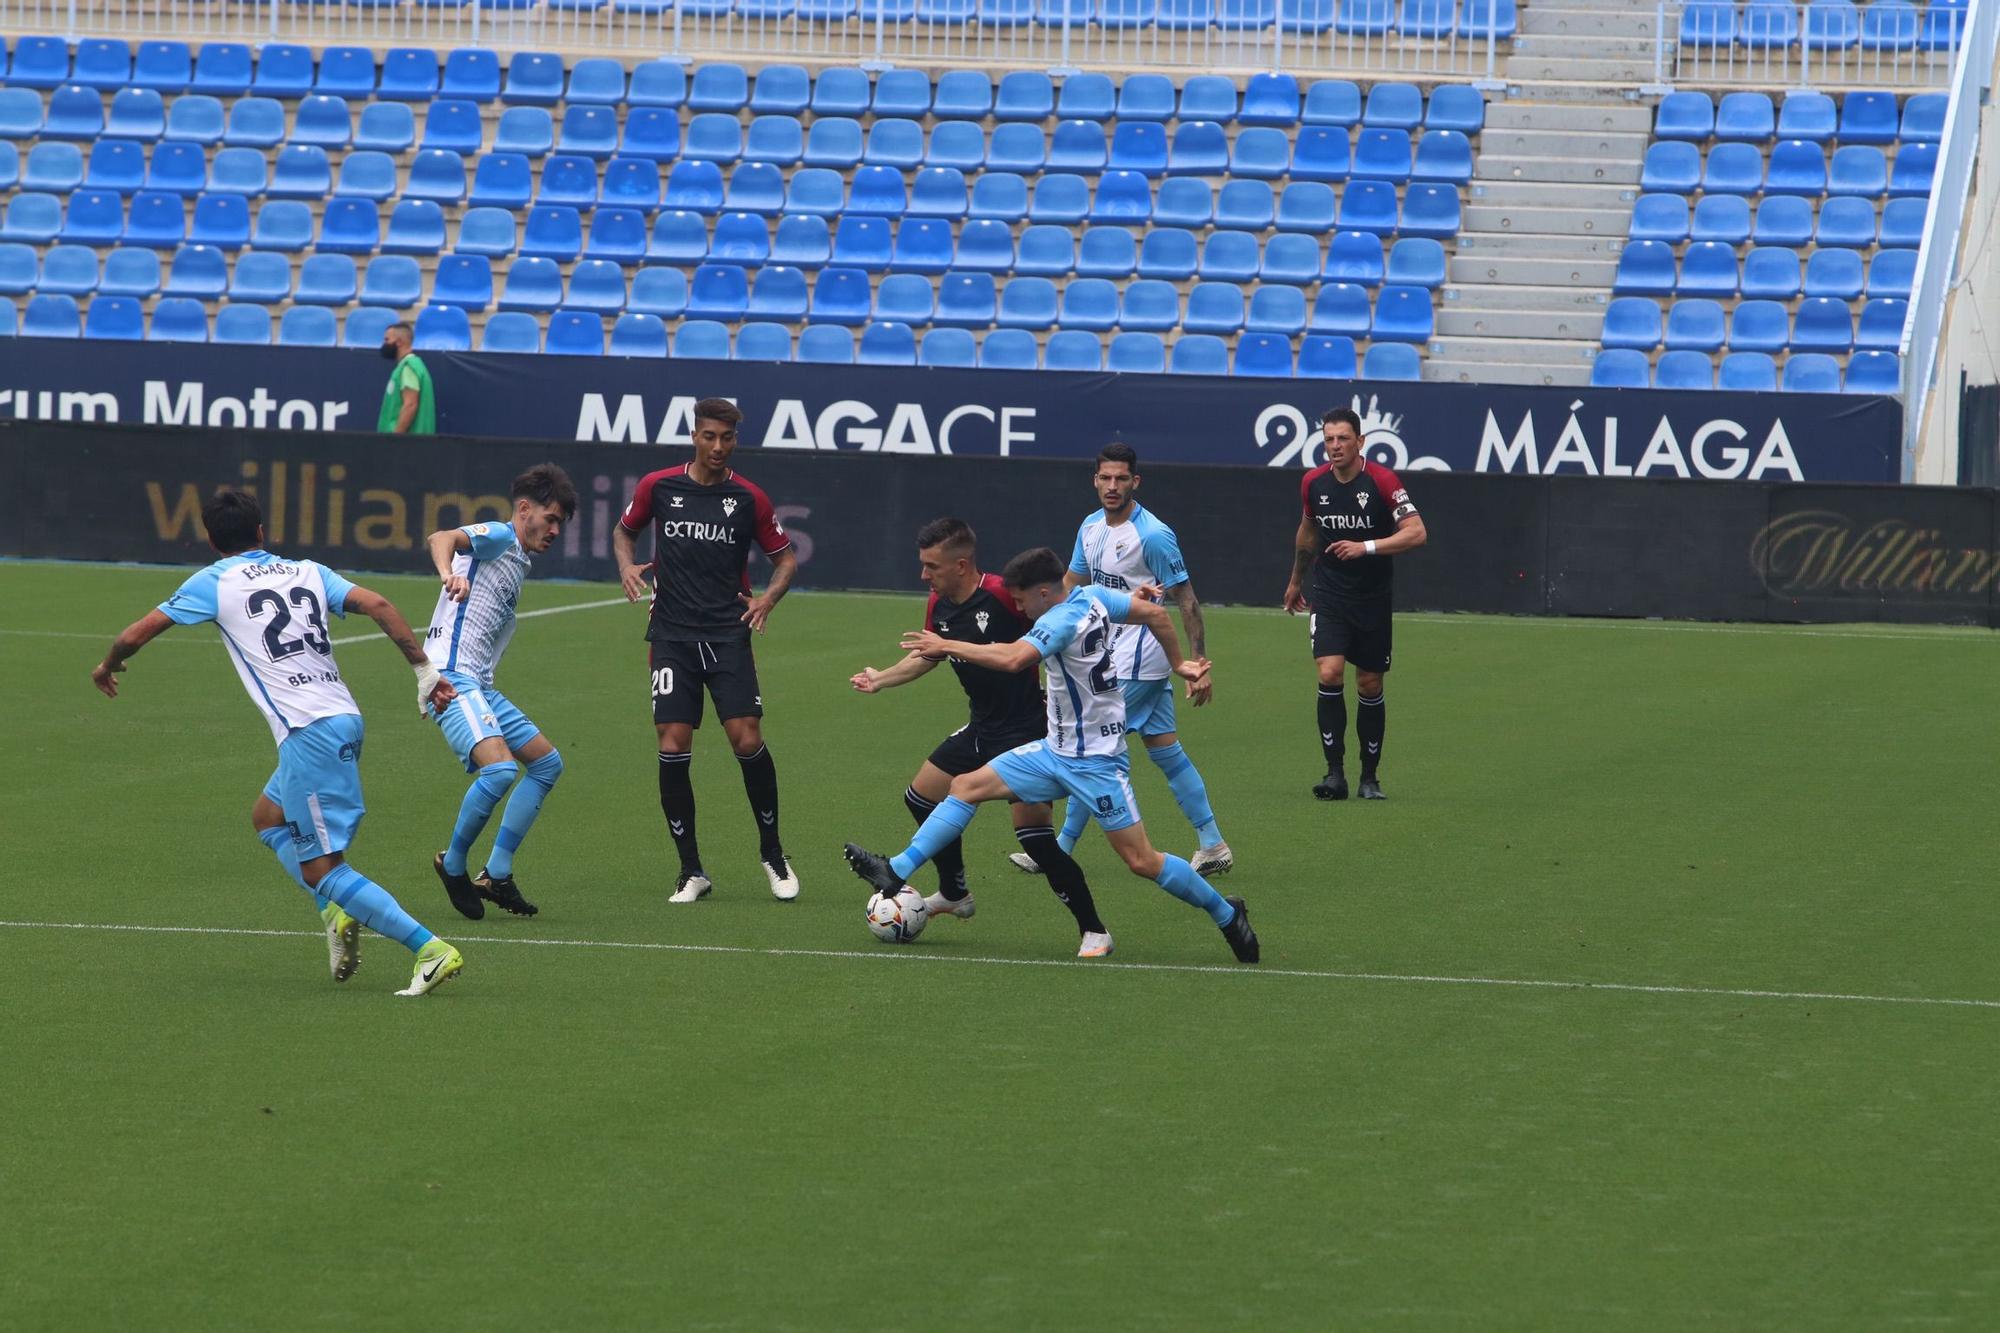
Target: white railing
{"type": "Point", "coordinates": [1295, 35]}
{"type": "Point", "coordinates": [1705, 42]}
{"type": "Point", "coordinates": [1937, 260]}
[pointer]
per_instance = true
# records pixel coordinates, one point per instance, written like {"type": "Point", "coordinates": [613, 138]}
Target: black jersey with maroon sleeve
{"type": "Point", "coordinates": [1005, 704]}
{"type": "Point", "coordinates": [1366, 507]}
{"type": "Point", "coordinates": [701, 552]}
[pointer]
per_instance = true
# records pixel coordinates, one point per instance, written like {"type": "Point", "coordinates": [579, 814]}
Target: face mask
{"type": "Point", "coordinates": [388, 351]}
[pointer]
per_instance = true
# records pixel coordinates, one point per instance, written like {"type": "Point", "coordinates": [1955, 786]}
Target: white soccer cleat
{"type": "Point", "coordinates": [1216, 860]}
{"type": "Point", "coordinates": [690, 889]}
{"type": "Point", "coordinates": [939, 905]}
{"type": "Point", "coordinates": [784, 882]}
{"type": "Point", "coordinates": [1024, 863]}
{"type": "Point", "coordinates": [343, 942]}
{"type": "Point", "coordinates": [437, 963]}
{"type": "Point", "coordinates": [1096, 944]}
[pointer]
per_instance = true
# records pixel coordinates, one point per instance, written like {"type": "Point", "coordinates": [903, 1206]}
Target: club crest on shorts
{"type": "Point", "coordinates": [728, 506]}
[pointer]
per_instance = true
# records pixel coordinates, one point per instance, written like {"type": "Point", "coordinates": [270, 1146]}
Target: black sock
{"type": "Point", "coordinates": [1065, 876]}
{"type": "Point", "coordinates": [760, 783]}
{"type": "Point", "coordinates": [950, 860]}
{"type": "Point", "coordinates": [1368, 730]}
{"type": "Point", "coordinates": [677, 804]}
{"type": "Point", "coordinates": [1333, 726]}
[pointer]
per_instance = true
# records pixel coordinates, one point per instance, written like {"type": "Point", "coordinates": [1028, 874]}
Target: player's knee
{"type": "Point", "coordinates": [1368, 683]}
{"type": "Point", "coordinates": [546, 769]}
{"type": "Point", "coordinates": [1144, 862]}
{"type": "Point", "coordinates": [1332, 670]}
{"type": "Point", "coordinates": [496, 778]}
{"type": "Point", "coordinates": [966, 788]}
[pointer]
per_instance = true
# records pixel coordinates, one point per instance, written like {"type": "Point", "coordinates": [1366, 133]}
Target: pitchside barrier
{"type": "Point", "coordinates": [1412, 427]}
{"type": "Point", "coordinates": [1543, 545]}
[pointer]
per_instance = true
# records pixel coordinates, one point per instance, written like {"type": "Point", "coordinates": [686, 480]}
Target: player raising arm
{"type": "Point", "coordinates": [1083, 755]}
{"type": "Point", "coordinates": [1356, 516]}
{"type": "Point", "coordinates": [272, 615]}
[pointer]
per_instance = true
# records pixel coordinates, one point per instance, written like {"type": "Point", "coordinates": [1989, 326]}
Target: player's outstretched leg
{"type": "Point", "coordinates": [1333, 743]}
{"type": "Point", "coordinates": [1191, 794]}
{"type": "Point", "coordinates": [489, 784]}
{"type": "Point", "coordinates": [1066, 881]}
{"type": "Point", "coordinates": [496, 883]}
{"type": "Point", "coordinates": [677, 804]}
{"type": "Point", "coordinates": [1369, 723]}
{"type": "Point", "coordinates": [1179, 878]}
{"type": "Point", "coordinates": [953, 897]}
{"type": "Point", "coordinates": [373, 906]}
{"type": "Point", "coordinates": [886, 874]}
{"type": "Point", "coordinates": [760, 784]}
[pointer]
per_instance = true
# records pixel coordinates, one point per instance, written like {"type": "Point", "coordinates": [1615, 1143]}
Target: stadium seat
{"type": "Point", "coordinates": [350, 227]}
{"type": "Point", "coordinates": [1915, 169]}
{"type": "Point", "coordinates": [1245, 206]}
{"type": "Point", "coordinates": [1859, 171]}
{"type": "Point", "coordinates": [1078, 146]}
{"type": "Point", "coordinates": [1354, 257]}
{"type": "Point", "coordinates": [1149, 304]}
{"type": "Point", "coordinates": [1745, 118]}
{"type": "Point", "coordinates": [878, 191]}
{"type": "Point", "coordinates": [70, 270]}
{"type": "Point", "coordinates": [1848, 223]}
{"type": "Point", "coordinates": [32, 218]}
{"type": "Point", "coordinates": [1429, 209]}
{"type": "Point", "coordinates": [701, 340]}
{"type": "Point", "coordinates": [1685, 115]}
{"type": "Point", "coordinates": [1881, 324]}
{"type": "Point", "coordinates": [1695, 324]}
{"type": "Point", "coordinates": [1620, 368]}
{"type": "Point", "coordinates": [175, 168]}
{"type": "Point", "coordinates": [1868, 118]}
{"type": "Point", "coordinates": [1199, 354]}
{"type": "Point", "coordinates": [301, 172]}
{"type": "Point", "coordinates": [1923, 118]}
{"type": "Point", "coordinates": [1456, 106]}
{"type": "Point", "coordinates": [837, 142]}
{"type": "Point", "coordinates": [905, 298]}
{"type": "Point", "coordinates": [592, 131]}
{"type": "Point", "coordinates": [963, 94]}
{"type": "Point", "coordinates": [260, 278]}
{"type": "Point", "coordinates": [1090, 303]}
{"type": "Point", "coordinates": [1267, 355]}
{"type": "Point", "coordinates": [887, 343]}
{"type": "Point", "coordinates": [866, 243]}
{"type": "Point", "coordinates": [718, 291]}
{"type": "Point", "coordinates": [630, 183]}
{"type": "Point", "coordinates": [1442, 155]}
{"type": "Point", "coordinates": [841, 91]}
{"type": "Point", "coordinates": [661, 292]}
{"type": "Point", "coordinates": [1392, 361]}
{"type": "Point", "coordinates": [1031, 303]}
{"type": "Point", "coordinates": [779, 293]}
{"type": "Point", "coordinates": [409, 74]}
{"type": "Point", "coordinates": [983, 244]}
{"type": "Point", "coordinates": [598, 285]}
{"type": "Point", "coordinates": [1645, 268]}
{"type": "Point", "coordinates": [128, 271]}
{"type": "Point", "coordinates": [1327, 356]}
{"type": "Point", "coordinates": [1269, 99]}
{"type": "Point", "coordinates": [902, 92]}
{"type": "Point", "coordinates": [1811, 372]}
{"type": "Point", "coordinates": [1417, 262]}
{"type": "Point", "coordinates": [1632, 322]}
{"type": "Point", "coordinates": [1748, 372]}
{"type": "Point", "coordinates": [284, 69]}
{"type": "Point", "coordinates": [1260, 153]}
{"type": "Point", "coordinates": [442, 328]}
{"type": "Point", "coordinates": [51, 316]}
{"type": "Point", "coordinates": [1168, 253]}
{"type": "Point", "coordinates": [1767, 25]}
{"type": "Point", "coordinates": [1026, 95]}
{"type": "Point", "coordinates": [966, 300]}
{"type": "Point", "coordinates": [346, 71]}
{"type": "Point", "coordinates": [198, 271]}
{"type": "Point", "coordinates": [39, 62]}
{"type": "Point", "coordinates": [1384, 155]}
{"type": "Point", "coordinates": [1183, 202]}
{"type": "Point", "coordinates": [1783, 221]}
{"type": "Point", "coordinates": [1759, 326]}
{"type": "Point", "coordinates": [1059, 198]}
{"type": "Point", "coordinates": [1137, 353]}
{"type": "Point", "coordinates": [20, 113]}
{"type": "Point", "coordinates": [638, 335]}
{"type": "Point", "coordinates": [1370, 206]}
{"type": "Point", "coordinates": [136, 113]}
{"type": "Point", "coordinates": [1395, 106]}
{"type": "Point", "coordinates": [307, 326]}
{"type": "Point", "coordinates": [1289, 258]}
{"type": "Point", "coordinates": [568, 181]}
{"type": "Point", "coordinates": [575, 333]}
{"type": "Point", "coordinates": [362, 327]}
{"type": "Point", "coordinates": [1671, 168]}
{"type": "Point", "coordinates": [94, 217]}
{"type": "Point", "coordinates": [1721, 217]}
{"type": "Point", "coordinates": [365, 174]}
{"type": "Point", "coordinates": [454, 126]}
{"type": "Point", "coordinates": [74, 112]}
{"type": "Point", "coordinates": [255, 122]}
{"type": "Point", "coordinates": [157, 220]}
{"type": "Point", "coordinates": [1122, 196]}
{"type": "Point", "coordinates": [534, 78]}
{"type": "Point", "coordinates": [1891, 273]}
{"type": "Point", "coordinates": [937, 192]}
{"type": "Point", "coordinates": [465, 280]}
{"type": "Point", "coordinates": [1308, 206]}
{"type": "Point", "coordinates": [1073, 349]}
{"type": "Point", "coordinates": [1276, 309]}
{"type": "Point", "coordinates": [56, 168]}
{"type": "Point", "coordinates": [1215, 307]}
{"type": "Point", "coordinates": [103, 63]}
{"type": "Point", "coordinates": [1867, 372]}
{"type": "Point", "coordinates": [1046, 250]}
{"type": "Point", "coordinates": [1823, 324]}
{"type": "Point", "coordinates": [962, 144]}
{"type": "Point", "coordinates": [999, 195]}
{"type": "Point", "coordinates": [487, 231]}
{"type": "Point", "coordinates": [1771, 272]}
{"type": "Point", "coordinates": [192, 118]}
{"type": "Point", "coordinates": [511, 332]}
{"type": "Point", "coordinates": [763, 341]}
{"type": "Point", "coordinates": [1807, 115]}
{"type": "Point", "coordinates": [326, 279]}
{"type": "Point", "coordinates": [1684, 369]}
{"type": "Point", "coordinates": [1008, 349]}
{"type": "Point", "coordinates": [1733, 168]}
{"type": "Point", "coordinates": [10, 166]}
{"type": "Point", "coordinates": [1230, 256]}
{"type": "Point", "coordinates": [1146, 97]}
{"type": "Point", "coordinates": [1199, 148]}
{"type": "Point", "coordinates": [1402, 314]}
{"type": "Point", "coordinates": [1708, 268]}
{"type": "Point", "coordinates": [324, 121]}
{"type": "Point", "coordinates": [597, 82]}
{"type": "Point", "coordinates": [658, 83]}
{"type": "Point", "coordinates": [1797, 167]}
{"type": "Point", "coordinates": [553, 233]}
{"type": "Point", "coordinates": [694, 187]}
{"type": "Point", "coordinates": [392, 281]}
{"type": "Point", "coordinates": [952, 348]}
{"type": "Point", "coordinates": [502, 180]}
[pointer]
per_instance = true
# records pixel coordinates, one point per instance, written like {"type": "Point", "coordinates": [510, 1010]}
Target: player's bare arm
{"type": "Point", "coordinates": [1016, 656]}
{"type": "Point", "coordinates": [443, 546]}
{"type": "Point", "coordinates": [869, 680]}
{"type": "Point", "coordinates": [1305, 549]}
{"type": "Point", "coordinates": [784, 568]}
{"type": "Point", "coordinates": [1190, 669]}
{"type": "Point", "coordinates": [1191, 621]}
{"type": "Point", "coordinates": [1408, 536]}
{"type": "Point", "coordinates": [129, 641]}
{"type": "Point", "coordinates": [432, 692]}
{"type": "Point", "coordinates": [625, 549]}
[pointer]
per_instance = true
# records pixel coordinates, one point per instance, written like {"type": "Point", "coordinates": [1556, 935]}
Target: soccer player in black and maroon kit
{"type": "Point", "coordinates": [704, 518]}
{"type": "Point", "coordinates": [1006, 710]}
{"type": "Point", "coordinates": [1356, 515]}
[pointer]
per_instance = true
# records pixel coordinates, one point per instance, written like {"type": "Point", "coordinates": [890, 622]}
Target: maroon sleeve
{"type": "Point", "coordinates": [930, 625]}
{"type": "Point", "coordinates": [770, 533]}
{"type": "Point", "coordinates": [1391, 488]}
{"type": "Point", "coordinates": [995, 585]}
{"type": "Point", "coordinates": [1305, 486]}
{"type": "Point", "coordinates": [639, 513]}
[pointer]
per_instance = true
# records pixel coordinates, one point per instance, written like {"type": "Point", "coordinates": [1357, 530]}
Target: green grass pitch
{"type": "Point", "coordinates": [1755, 863]}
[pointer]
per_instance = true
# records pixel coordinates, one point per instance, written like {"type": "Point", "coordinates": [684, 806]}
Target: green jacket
{"type": "Point", "coordinates": [410, 373]}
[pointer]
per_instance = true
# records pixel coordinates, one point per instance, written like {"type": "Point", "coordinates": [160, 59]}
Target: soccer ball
{"type": "Point", "coordinates": [898, 918]}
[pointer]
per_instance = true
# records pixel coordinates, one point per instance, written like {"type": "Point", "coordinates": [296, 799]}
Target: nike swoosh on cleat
{"type": "Point", "coordinates": [432, 971]}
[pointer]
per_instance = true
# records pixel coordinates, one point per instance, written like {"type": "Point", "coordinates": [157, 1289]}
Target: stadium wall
{"type": "Point", "coordinates": [1539, 545]}
{"type": "Point", "coordinates": [921, 411]}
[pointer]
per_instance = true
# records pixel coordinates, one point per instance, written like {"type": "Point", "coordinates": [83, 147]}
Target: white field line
{"type": "Point", "coordinates": [912, 956]}
{"type": "Point", "coordinates": [345, 638]}
{"type": "Point", "coordinates": [519, 615]}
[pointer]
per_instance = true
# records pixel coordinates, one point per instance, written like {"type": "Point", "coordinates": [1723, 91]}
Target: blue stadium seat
{"type": "Point", "coordinates": [284, 69]}
{"type": "Point", "coordinates": [1734, 168]}
{"type": "Point", "coordinates": [237, 171]}
{"type": "Point", "coordinates": [966, 300]}
{"type": "Point", "coordinates": [701, 340]}
{"type": "Point", "coordinates": [1169, 253]}
{"type": "Point", "coordinates": [136, 113]}
{"type": "Point", "coordinates": [714, 136]}
{"type": "Point", "coordinates": [1073, 349]}
{"type": "Point", "coordinates": [1720, 217]}
{"type": "Point", "coordinates": [598, 82]}
{"type": "Point", "coordinates": [435, 175]}
{"type": "Point", "coordinates": [1122, 196]}
{"type": "Point", "coordinates": [902, 92]}
{"type": "Point", "coordinates": [1046, 250]}
{"type": "Point", "coordinates": [1645, 268]}
{"type": "Point", "coordinates": [878, 191]}
{"type": "Point", "coordinates": [887, 343]}
{"type": "Point", "coordinates": [51, 316]}
{"type": "Point", "coordinates": [804, 242]}
{"type": "Point", "coordinates": [1402, 314]}
{"type": "Point", "coordinates": [999, 195]}
{"type": "Point", "coordinates": [598, 285]}
{"type": "Point", "coordinates": [763, 341]}
{"type": "Point", "coordinates": [392, 281]}
{"type": "Point", "coordinates": [1370, 206]}
{"type": "Point", "coordinates": [1823, 324]}
{"type": "Point", "coordinates": [32, 218]}
{"type": "Point", "coordinates": [903, 298]}
{"type": "Point", "coordinates": [719, 86]}
{"type": "Point", "coordinates": [963, 94]}
{"type": "Point", "coordinates": [1797, 167]}
{"type": "Point", "coordinates": [193, 119]}
{"type": "Point", "coordinates": [866, 243]}
{"type": "Point", "coordinates": [841, 91]}
{"type": "Point", "coordinates": [128, 271]}
{"type": "Point", "coordinates": [327, 280]}
{"type": "Point", "coordinates": [255, 122]}
{"type": "Point", "coordinates": [176, 168]}
{"type": "Point", "coordinates": [617, 234]}
{"type": "Point", "coordinates": [465, 280]}
{"type": "Point", "coordinates": [1077, 146]}
{"type": "Point", "coordinates": [1394, 106]}
{"type": "Point", "coordinates": [1354, 257]}
{"type": "Point", "coordinates": [1867, 371]}
{"type": "Point", "coordinates": [1859, 171]}
{"type": "Point", "coordinates": [1417, 262]}
{"type": "Point", "coordinates": [534, 78]}
{"type": "Point", "coordinates": [261, 278]}
{"type": "Point", "coordinates": [1208, 97]}
{"type": "Point", "coordinates": [1107, 252]}
{"type": "Point", "coordinates": [350, 227]}
{"type": "Point", "coordinates": [1008, 349]}
{"type": "Point", "coordinates": [1671, 168]}
{"type": "Point", "coordinates": [695, 187]}
{"type": "Point", "coordinates": [1087, 96]}
{"type": "Point", "coordinates": [660, 292]}
{"type": "Point", "coordinates": [1881, 324]}
{"type": "Point", "coordinates": [20, 113]}
{"type": "Point", "coordinates": [836, 141]}
{"type": "Point", "coordinates": [1141, 146]}
{"type": "Point", "coordinates": [779, 293]}
{"type": "Point", "coordinates": [1230, 256]}
{"type": "Point", "coordinates": [1848, 223]}
{"type": "Point", "coordinates": [631, 183]}
{"type": "Point", "coordinates": [718, 291]}
{"type": "Point", "coordinates": [1026, 95]}
{"type": "Point", "coordinates": [1696, 325]}
{"type": "Point", "coordinates": [1427, 18]}
{"type": "Point", "coordinates": [1199, 354]}
{"type": "Point", "coordinates": [1943, 27]}
{"type": "Point", "coordinates": [1089, 303]}
{"type": "Point", "coordinates": [1685, 115]}
{"type": "Point", "coordinates": [455, 126]}
{"type": "Point", "coordinates": [323, 120]}
{"type": "Point", "coordinates": [501, 181]}
{"type": "Point", "coordinates": [1392, 361]}
{"type": "Point", "coordinates": [553, 233]}
{"type": "Point", "coordinates": [10, 166]}
{"type": "Point", "coordinates": [410, 74]}
{"type": "Point", "coordinates": [1268, 355]}
{"type": "Point", "coordinates": [1146, 97]}
{"type": "Point", "coordinates": [56, 168]}
{"type": "Point", "coordinates": [1276, 309]}
{"type": "Point", "coordinates": [40, 62]}
{"type": "Point", "coordinates": [637, 334]}
{"type": "Point", "coordinates": [841, 295]}
{"type": "Point", "coordinates": [962, 144]}
{"type": "Point", "coordinates": [157, 220]}
{"type": "Point", "coordinates": [1891, 273]}
{"type": "Point", "coordinates": [1708, 268]}
{"type": "Point", "coordinates": [1619, 368]}
{"type": "Point", "coordinates": [899, 143]}
{"type": "Point", "coordinates": [1320, 153]}
{"type": "Point", "coordinates": [658, 83]}
{"type": "Point", "coordinates": [1060, 198]}
{"type": "Point", "coordinates": [1327, 356]}
{"type": "Point", "coordinates": [1183, 202]}
{"type": "Point", "coordinates": [1923, 118]}
{"type": "Point", "coordinates": [511, 332]}
{"type": "Point", "coordinates": [1748, 372]}
{"type": "Point", "coordinates": [1308, 206]}
{"type": "Point", "coordinates": [1811, 372]}
{"type": "Point", "coordinates": [441, 328]}
{"type": "Point", "coordinates": [1215, 307]}
{"type": "Point", "coordinates": [365, 174]}
{"type": "Point", "coordinates": [1245, 206]}
{"type": "Point", "coordinates": [362, 328]}
{"type": "Point", "coordinates": [1807, 115]}
{"type": "Point", "coordinates": [307, 326]}
{"type": "Point", "coordinates": [1746, 118]}
{"type": "Point", "coordinates": [1029, 303]}
{"type": "Point", "coordinates": [1632, 322]}
{"type": "Point", "coordinates": [1759, 326]}
{"type": "Point", "coordinates": [1915, 169]}
{"type": "Point", "coordinates": [222, 68]}
{"type": "Point", "coordinates": [1289, 258]}
{"type": "Point", "coordinates": [1771, 272]}
{"type": "Point", "coordinates": [1442, 155]}
{"type": "Point", "coordinates": [568, 181]}
{"type": "Point", "coordinates": [937, 192]}
{"type": "Point", "coordinates": [1139, 353]}
{"type": "Point", "coordinates": [103, 63]}
{"type": "Point", "coordinates": [302, 172]}
{"type": "Point", "coordinates": [1150, 304]}
{"type": "Point", "coordinates": [346, 71]}
{"type": "Point", "coordinates": [1783, 220]}
{"type": "Point", "coordinates": [983, 244]}
{"type": "Point", "coordinates": [94, 217]}
{"type": "Point", "coordinates": [1384, 155]}
{"type": "Point", "coordinates": [1868, 118]}
{"type": "Point", "coordinates": [533, 285]}
{"type": "Point", "coordinates": [1767, 25]}
{"type": "Point", "coordinates": [1261, 153]}
{"type": "Point", "coordinates": [70, 270]}
{"type": "Point", "coordinates": [592, 131]}
{"type": "Point", "coordinates": [1685, 369]}
{"type": "Point", "coordinates": [952, 348]}
{"type": "Point", "coordinates": [198, 271]}
{"type": "Point", "coordinates": [75, 112]}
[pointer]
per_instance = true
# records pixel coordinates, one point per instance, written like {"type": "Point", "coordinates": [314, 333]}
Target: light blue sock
{"type": "Point", "coordinates": [940, 829]}
{"type": "Point", "coordinates": [522, 807]}
{"type": "Point", "coordinates": [371, 905]}
{"type": "Point", "coordinates": [1075, 815]}
{"type": "Point", "coordinates": [1190, 792]}
{"type": "Point", "coordinates": [1178, 878]}
{"type": "Point", "coordinates": [279, 840]}
{"type": "Point", "coordinates": [489, 784]}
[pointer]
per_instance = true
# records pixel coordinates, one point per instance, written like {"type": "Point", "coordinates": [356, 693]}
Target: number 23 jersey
{"type": "Point", "coordinates": [272, 614]}
{"type": "Point", "coordinates": [1086, 703]}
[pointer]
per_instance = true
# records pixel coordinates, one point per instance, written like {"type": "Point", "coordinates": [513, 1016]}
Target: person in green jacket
{"type": "Point", "coordinates": [409, 407]}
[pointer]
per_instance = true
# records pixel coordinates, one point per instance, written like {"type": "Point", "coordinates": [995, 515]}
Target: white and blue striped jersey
{"type": "Point", "coordinates": [1086, 704]}
{"type": "Point", "coordinates": [1142, 549]}
{"type": "Point", "coordinates": [470, 636]}
{"type": "Point", "coordinates": [272, 614]}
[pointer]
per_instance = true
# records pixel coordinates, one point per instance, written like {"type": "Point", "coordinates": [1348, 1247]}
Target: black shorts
{"type": "Point", "coordinates": [966, 749]}
{"type": "Point", "coordinates": [1358, 631]}
{"type": "Point", "coordinates": [725, 667]}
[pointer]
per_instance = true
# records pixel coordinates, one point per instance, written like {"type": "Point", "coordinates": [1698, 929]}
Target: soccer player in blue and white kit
{"type": "Point", "coordinates": [272, 614]}
{"type": "Point", "coordinates": [1124, 546]}
{"type": "Point", "coordinates": [482, 566]}
{"type": "Point", "coordinates": [1083, 756]}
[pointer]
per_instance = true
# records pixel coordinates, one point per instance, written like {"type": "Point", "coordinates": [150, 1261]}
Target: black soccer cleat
{"type": "Point", "coordinates": [1242, 939]}
{"type": "Point", "coordinates": [464, 896]}
{"type": "Point", "coordinates": [503, 893]}
{"type": "Point", "coordinates": [872, 868]}
{"type": "Point", "coordinates": [1332, 787]}
{"type": "Point", "coordinates": [1371, 790]}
